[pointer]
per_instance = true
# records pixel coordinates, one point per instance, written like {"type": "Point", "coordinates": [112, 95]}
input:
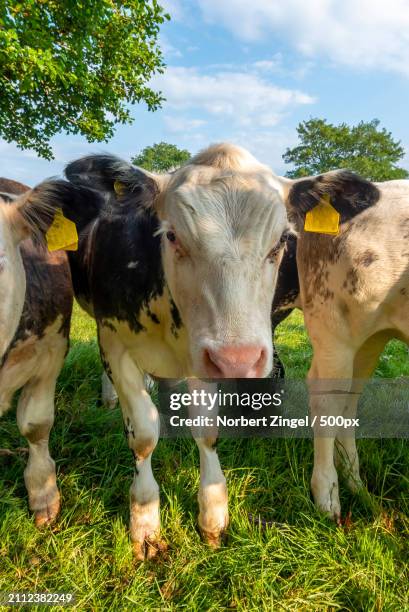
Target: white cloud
{"type": "Point", "coordinates": [167, 48]}
{"type": "Point", "coordinates": [273, 65]}
{"type": "Point", "coordinates": [182, 124]}
{"type": "Point", "coordinates": [365, 34]}
{"type": "Point", "coordinates": [241, 97]}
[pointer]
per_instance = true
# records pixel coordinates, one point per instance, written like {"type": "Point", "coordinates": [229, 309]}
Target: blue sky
{"type": "Point", "coordinates": [249, 71]}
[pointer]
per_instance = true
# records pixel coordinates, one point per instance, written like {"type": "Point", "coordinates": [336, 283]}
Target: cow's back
{"type": "Point", "coordinates": [360, 278]}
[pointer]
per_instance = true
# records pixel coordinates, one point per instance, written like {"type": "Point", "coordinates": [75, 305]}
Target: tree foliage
{"type": "Point", "coordinates": [161, 157]}
{"type": "Point", "coordinates": [75, 66]}
{"type": "Point", "coordinates": [365, 148]}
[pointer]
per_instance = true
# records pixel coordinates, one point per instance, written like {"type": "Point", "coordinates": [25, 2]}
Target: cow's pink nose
{"type": "Point", "coordinates": [235, 361]}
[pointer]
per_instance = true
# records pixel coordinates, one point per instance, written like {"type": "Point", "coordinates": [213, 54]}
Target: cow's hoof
{"type": "Point", "coordinates": [214, 539]}
{"type": "Point", "coordinates": [47, 515]}
{"type": "Point", "coordinates": [326, 495]}
{"type": "Point", "coordinates": [149, 548]}
{"type": "Point", "coordinates": [213, 517]}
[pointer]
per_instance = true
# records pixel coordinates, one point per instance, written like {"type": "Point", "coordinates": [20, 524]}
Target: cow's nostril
{"type": "Point", "coordinates": [234, 361]}
{"type": "Point", "coordinates": [211, 367]}
{"type": "Point", "coordinates": [262, 359]}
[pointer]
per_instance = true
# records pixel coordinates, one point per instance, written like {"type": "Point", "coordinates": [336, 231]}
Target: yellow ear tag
{"type": "Point", "coordinates": [62, 234]}
{"type": "Point", "coordinates": [119, 188]}
{"type": "Point", "coordinates": [323, 218]}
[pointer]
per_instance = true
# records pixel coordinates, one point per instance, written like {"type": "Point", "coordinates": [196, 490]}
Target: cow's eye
{"type": "Point", "coordinates": [275, 250]}
{"type": "Point", "coordinates": [175, 244]}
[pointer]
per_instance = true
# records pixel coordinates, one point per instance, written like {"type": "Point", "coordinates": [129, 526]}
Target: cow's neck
{"type": "Point", "coordinates": [123, 285]}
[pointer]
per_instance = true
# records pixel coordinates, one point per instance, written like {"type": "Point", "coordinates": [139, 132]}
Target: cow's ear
{"type": "Point", "coordinates": [31, 214]}
{"type": "Point", "coordinates": [117, 177]}
{"type": "Point", "coordinates": [347, 192]}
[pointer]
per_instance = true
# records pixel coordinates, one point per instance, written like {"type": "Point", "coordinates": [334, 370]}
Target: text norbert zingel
{"type": "Point", "coordinates": [240, 421]}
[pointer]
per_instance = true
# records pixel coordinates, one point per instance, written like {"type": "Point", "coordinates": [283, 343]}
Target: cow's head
{"type": "Point", "coordinates": [28, 215]}
{"type": "Point", "coordinates": [223, 228]}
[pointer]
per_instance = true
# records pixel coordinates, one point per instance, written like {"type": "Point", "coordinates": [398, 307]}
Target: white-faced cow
{"type": "Point", "coordinates": [35, 309]}
{"type": "Point", "coordinates": [180, 272]}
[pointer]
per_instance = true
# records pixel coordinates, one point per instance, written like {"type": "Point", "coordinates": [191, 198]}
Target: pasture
{"type": "Point", "coordinates": [292, 560]}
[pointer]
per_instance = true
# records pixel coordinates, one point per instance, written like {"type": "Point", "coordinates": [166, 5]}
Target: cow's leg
{"type": "Point", "coordinates": [330, 380]}
{"type": "Point", "coordinates": [212, 497]}
{"type": "Point", "coordinates": [109, 395]}
{"type": "Point", "coordinates": [141, 423]}
{"type": "Point", "coordinates": [108, 392]}
{"type": "Point", "coordinates": [346, 454]}
{"type": "Point", "coordinates": [35, 418]}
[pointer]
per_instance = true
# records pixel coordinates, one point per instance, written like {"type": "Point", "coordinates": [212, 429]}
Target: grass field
{"type": "Point", "coordinates": [299, 562]}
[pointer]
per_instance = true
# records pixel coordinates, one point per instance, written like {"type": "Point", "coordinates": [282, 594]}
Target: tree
{"type": "Point", "coordinates": [363, 148]}
{"type": "Point", "coordinates": [161, 157]}
{"type": "Point", "coordinates": [75, 66]}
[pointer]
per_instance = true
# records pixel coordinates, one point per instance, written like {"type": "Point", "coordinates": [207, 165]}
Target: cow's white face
{"type": "Point", "coordinates": [223, 233]}
{"type": "Point", "coordinates": [12, 276]}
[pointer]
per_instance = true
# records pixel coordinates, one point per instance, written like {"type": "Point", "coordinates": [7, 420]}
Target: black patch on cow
{"type": "Point", "coordinates": [349, 194]}
{"type": "Point", "coordinates": [288, 286]}
{"type": "Point", "coordinates": [286, 292]}
{"type": "Point", "coordinates": [108, 325]}
{"type": "Point", "coordinates": [113, 231]}
{"type": "Point", "coordinates": [115, 290]}
{"type": "Point", "coordinates": [153, 317]}
{"type": "Point", "coordinates": [102, 172]}
{"type": "Point", "coordinates": [104, 360]}
{"type": "Point", "coordinates": [48, 293]}
{"type": "Point", "coordinates": [366, 258]}
{"type": "Point", "coordinates": [351, 281]}
{"type": "Point", "coordinates": [176, 319]}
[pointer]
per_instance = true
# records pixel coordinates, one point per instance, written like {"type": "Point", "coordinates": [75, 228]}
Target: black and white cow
{"type": "Point", "coordinates": [180, 272]}
{"type": "Point", "coordinates": [35, 309]}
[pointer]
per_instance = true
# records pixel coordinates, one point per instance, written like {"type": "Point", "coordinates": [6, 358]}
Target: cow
{"type": "Point", "coordinates": [35, 311]}
{"type": "Point", "coordinates": [180, 272]}
{"type": "Point", "coordinates": [354, 292]}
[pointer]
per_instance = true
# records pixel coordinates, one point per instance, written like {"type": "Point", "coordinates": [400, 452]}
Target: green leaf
{"type": "Point", "coordinates": [75, 67]}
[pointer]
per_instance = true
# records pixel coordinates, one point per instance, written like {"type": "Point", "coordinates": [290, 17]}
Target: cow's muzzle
{"type": "Point", "coordinates": [235, 361]}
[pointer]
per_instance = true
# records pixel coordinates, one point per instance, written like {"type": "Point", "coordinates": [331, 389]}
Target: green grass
{"type": "Point", "coordinates": [299, 562]}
